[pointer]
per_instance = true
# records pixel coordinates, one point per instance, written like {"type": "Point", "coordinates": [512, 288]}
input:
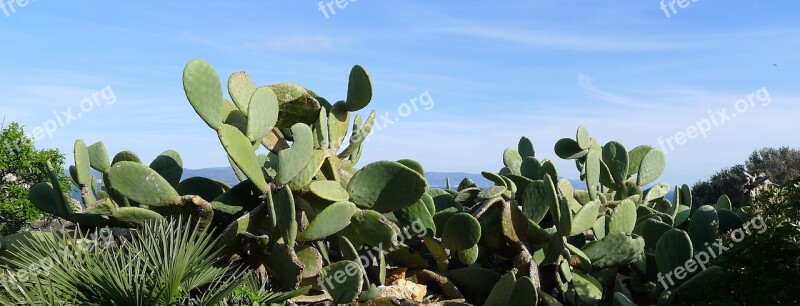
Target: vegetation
{"type": "Point", "coordinates": [780, 165]}
{"type": "Point", "coordinates": [317, 229]}
{"type": "Point", "coordinates": [163, 263]}
{"type": "Point", "coordinates": [763, 269]}
{"type": "Point", "coordinates": [21, 166]}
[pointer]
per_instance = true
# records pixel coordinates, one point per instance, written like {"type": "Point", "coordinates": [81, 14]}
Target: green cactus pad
{"type": "Point", "coordinates": [360, 134]}
{"type": "Point", "coordinates": [329, 221]}
{"type": "Point", "coordinates": [703, 226]}
{"type": "Point", "coordinates": [673, 249]}
{"type": "Point", "coordinates": [728, 220]}
{"type": "Point", "coordinates": [296, 105]}
{"type": "Point", "coordinates": [304, 177]}
{"type": "Point", "coordinates": [82, 163]}
{"type": "Point", "coordinates": [582, 138]}
{"type": "Point", "coordinates": [374, 228]}
{"type": "Point", "coordinates": [652, 167]}
{"type": "Point", "coordinates": [466, 183]}
{"type": "Point", "coordinates": [697, 287]}
{"type": "Point", "coordinates": [385, 186]}
{"type": "Point", "coordinates": [564, 224]}
{"type": "Point", "coordinates": [616, 158]}
{"type": "Point", "coordinates": [525, 147]}
{"type": "Point", "coordinates": [98, 157]}
{"type": "Point", "coordinates": [142, 184]}
{"type": "Point", "coordinates": [686, 195]}
{"type": "Point", "coordinates": [403, 256]}
{"type": "Point", "coordinates": [512, 160]}
{"type": "Point", "coordinates": [494, 178]}
{"type": "Point", "coordinates": [285, 266]}
{"type": "Point", "coordinates": [262, 113]}
{"type": "Point", "coordinates": [169, 165]}
{"type": "Point", "coordinates": [514, 222]}
{"type": "Point", "coordinates": [329, 190]}
{"type": "Point", "coordinates": [623, 219]}
{"type": "Point", "coordinates": [342, 280]}
{"type": "Point", "coordinates": [652, 230]}
{"type": "Point", "coordinates": [241, 153]}
{"type": "Point", "coordinates": [615, 249]}
{"type": "Point", "coordinates": [462, 231]}
{"type": "Point", "coordinates": [491, 192]}
{"type": "Point", "coordinates": [635, 158]}
{"type": "Point", "coordinates": [500, 292]}
{"type": "Point", "coordinates": [241, 88]}
{"type": "Point", "coordinates": [549, 168]}
{"type": "Point", "coordinates": [413, 164]}
{"type": "Point", "coordinates": [681, 215]}
{"type": "Point", "coordinates": [724, 202]}
{"type": "Point", "coordinates": [536, 202]}
{"type": "Point", "coordinates": [469, 256]}
{"type": "Point", "coordinates": [586, 217]}
{"type": "Point", "coordinates": [133, 216]}
{"type": "Point", "coordinates": [293, 160]}
{"type": "Point", "coordinates": [657, 191]}
{"type": "Point", "coordinates": [338, 124]}
{"type": "Point", "coordinates": [125, 156]}
{"type": "Point", "coordinates": [46, 199]}
{"type": "Point", "coordinates": [285, 215]}
{"type": "Point", "coordinates": [359, 89]}
{"type": "Point", "coordinates": [531, 168]}
{"type": "Point", "coordinates": [311, 259]}
{"type": "Point", "coordinates": [593, 164]}
{"type": "Point", "coordinates": [204, 91]}
{"type": "Point", "coordinates": [417, 214]}
{"type": "Point", "coordinates": [588, 289]}
{"type": "Point", "coordinates": [569, 149]}
{"type": "Point", "coordinates": [205, 188]}
{"type": "Point", "coordinates": [321, 133]}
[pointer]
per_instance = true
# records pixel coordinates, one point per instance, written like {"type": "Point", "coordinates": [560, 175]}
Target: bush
{"type": "Point", "coordinates": [21, 166]}
{"type": "Point", "coordinates": [763, 268]}
{"type": "Point", "coordinates": [163, 263]}
{"type": "Point", "coordinates": [780, 165]}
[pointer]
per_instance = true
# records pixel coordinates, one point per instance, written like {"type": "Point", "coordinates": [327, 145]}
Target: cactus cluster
{"type": "Point", "coordinates": [305, 215]}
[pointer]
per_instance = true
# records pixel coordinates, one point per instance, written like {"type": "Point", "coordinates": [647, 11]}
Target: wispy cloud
{"type": "Point", "coordinates": [298, 42]}
{"type": "Point", "coordinates": [585, 82]}
{"type": "Point", "coordinates": [292, 42]}
{"type": "Point", "coordinates": [559, 40]}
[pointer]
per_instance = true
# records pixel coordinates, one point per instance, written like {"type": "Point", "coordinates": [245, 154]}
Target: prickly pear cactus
{"type": "Point", "coordinates": [306, 215]}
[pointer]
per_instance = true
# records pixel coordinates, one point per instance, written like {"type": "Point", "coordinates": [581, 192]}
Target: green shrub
{"type": "Point", "coordinates": [763, 268]}
{"type": "Point", "coordinates": [163, 263]}
{"type": "Point", "coordinates": [22, 166]}
{"type": "Point", "coordinates": [779, 164]}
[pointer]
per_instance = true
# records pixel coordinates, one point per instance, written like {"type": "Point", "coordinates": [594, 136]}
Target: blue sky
{"type": "Point", "coordinates": [494, 70]}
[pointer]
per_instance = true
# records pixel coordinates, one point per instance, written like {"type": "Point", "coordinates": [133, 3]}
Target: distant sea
{"type": "Point", "coordinates": [435, 179]}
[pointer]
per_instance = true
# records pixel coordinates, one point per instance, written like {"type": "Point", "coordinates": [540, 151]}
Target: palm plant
{"type": "Point", "coordinates": [163, 263]}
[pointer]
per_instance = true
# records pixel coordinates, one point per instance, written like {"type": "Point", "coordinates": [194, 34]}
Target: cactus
{"type": "Point", "coordinates": [305, 213]}
{"type": "Point", "coordinates": [674, 248]}
{"type": "Point", "coordinates": [462, 231]}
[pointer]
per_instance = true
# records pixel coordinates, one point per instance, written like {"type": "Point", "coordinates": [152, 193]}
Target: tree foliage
{"type": "Point", "coordinates": [763, 268]}
{"type": "Point", "coordinates": [779, 164]}
{"type": "Point", "coordinates": [21, 166]}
